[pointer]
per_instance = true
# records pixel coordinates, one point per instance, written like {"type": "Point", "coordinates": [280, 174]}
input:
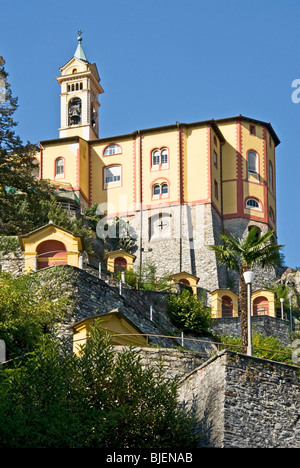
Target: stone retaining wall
{"type": "Point", "coordinates": [245, 402]}
{"type": "Point", "coordinates": [264, 324]}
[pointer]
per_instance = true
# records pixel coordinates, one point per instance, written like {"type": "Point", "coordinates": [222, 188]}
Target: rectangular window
{"type": "Point", "coordinates": [216, 190]}
{"type": "Point", "coordinates": [252, 130]}
{"type": "Point", "coordinates": [215, 159]}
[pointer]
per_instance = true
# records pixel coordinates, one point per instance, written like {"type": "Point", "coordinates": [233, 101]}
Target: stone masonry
{"type": "Point", "coordinates": [244, 402]}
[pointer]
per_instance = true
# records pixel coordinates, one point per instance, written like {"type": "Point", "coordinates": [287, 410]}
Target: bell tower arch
{"type": "Point", "coordinates": [79, 97]}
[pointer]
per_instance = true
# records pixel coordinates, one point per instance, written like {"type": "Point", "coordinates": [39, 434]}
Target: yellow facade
{"type": "Point", "coordinates": [240, 183]}
{"type": "Point", "coordinates": [217, 303]}
{"type": "Point", "coordinates": [111, 258]}
{"type": "Point", "coordinates": [122, 331]}
{"type": "Point", "coordinates": [50, 236]}
{"type": "Point", "coordinates": [186, 278]}
{"type": "Point", "coordinates": [224, 303]}
{"type": "Point", "coordinates": [203, 167]}
{"type": "Point", "coordinates": [263, 303]}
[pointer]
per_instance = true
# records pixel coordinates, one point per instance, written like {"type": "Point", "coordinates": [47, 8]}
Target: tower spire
{"type": "Point", "coordinates": [79, 51]}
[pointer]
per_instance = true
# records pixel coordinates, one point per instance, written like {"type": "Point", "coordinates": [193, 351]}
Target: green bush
{"type": "Point", "coordinates": [189, 312]}
{"type": "Point", "coordinates": [265, 347]}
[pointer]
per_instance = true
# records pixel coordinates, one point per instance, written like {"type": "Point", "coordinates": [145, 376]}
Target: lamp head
{"type": "Point", "coordinates": [248, 277]}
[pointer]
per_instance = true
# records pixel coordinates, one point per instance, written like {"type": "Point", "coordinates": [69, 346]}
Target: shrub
{"type": "Point", "coordinates": [98, 399]}
{"type": "Point", "coordinates": [189, 312]}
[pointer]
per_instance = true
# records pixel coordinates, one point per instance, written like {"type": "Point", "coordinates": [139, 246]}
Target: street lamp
{"type": "Point", "coordinates": [281, 303]}
{"type": "Point", "coordinates": [291, 285]}
{"type": "Point", "coordinates": [248, 277]}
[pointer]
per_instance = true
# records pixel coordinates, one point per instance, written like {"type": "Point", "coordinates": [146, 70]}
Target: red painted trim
{"type": "Point", "coordinates": [265, 175]}
{"type": "Point", "coordinates": [90, 177]}
{"type": "Point", "coordinates": [239, 169]}
{"type": "Point", "coordinates": [141, 170]}
{"type": "Point", "coordinates": [134, 179]}
{"type": "Point", "coordinates": [180, 175]}
{"type": "Point", "coordinates": [209, 166]}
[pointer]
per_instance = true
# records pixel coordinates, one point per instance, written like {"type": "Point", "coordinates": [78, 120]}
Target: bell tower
{"type": "Point", "coordinates": [79, 97]}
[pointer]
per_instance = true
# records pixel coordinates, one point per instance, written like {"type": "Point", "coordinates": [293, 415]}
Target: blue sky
{"type": "Point", "coordinates": [163, 61]}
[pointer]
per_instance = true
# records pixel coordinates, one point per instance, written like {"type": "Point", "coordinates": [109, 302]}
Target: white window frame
{"type": "Point", "coordinates": [160, 159]}
{"type": "Point", "coordinates": [254, 201]}
{"type": "Point", "coordinates": [161, 191]}
{"type": "Point", "coordinates": [114, 148]}
{"type": "Point", "coordinates": [252, 170]}
{"type": "Point", "coordinates": [59, 169]}
{"type": "Point", "coordinates": [112, 176]}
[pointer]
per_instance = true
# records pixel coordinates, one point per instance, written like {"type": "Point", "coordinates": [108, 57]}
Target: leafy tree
{"type": "Point", "coordinates": [27, 311]}
{"type": "Point", "coordinates": [98, 399]}
{"type": "Point", "coordinates": [20, 190]}
{"type": "Point", "coordinates": [189, 312]}
{"type": "Point", "coordinates": [240, 255]}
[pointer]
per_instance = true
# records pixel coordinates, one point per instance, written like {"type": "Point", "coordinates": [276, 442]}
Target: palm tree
{"type": "Point", "coordinates": [241, 256]}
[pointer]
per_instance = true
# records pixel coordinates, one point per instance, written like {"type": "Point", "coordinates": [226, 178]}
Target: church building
{"type": "Point", "coordinates": [179, 186]}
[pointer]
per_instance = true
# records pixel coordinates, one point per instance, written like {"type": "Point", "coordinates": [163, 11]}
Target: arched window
{"type": "Point", "coordinates": [261, 306]}
{"type": "Point", "coordinates": [164, 190]}
{"type": "Point", "coordinates": [252, 203]}
{"type": "Point", "coordinates": [155, 157]}
{"type": "Point", "coordinates": [160, 159]}
{"type": "Point", "coordinates": [164, 157]}
{"type": "Point", "coordinates": [112, 175]}
{"type": "Point", "coordinates": [227, 307]}
{"type": "Point", "coordinates": [270, 174]}
{"type": "Point", "coordinates": [258, 231]}
{"type": "Point", "coordinates": [156, 190]}
{"type": "Point", "coordinates": [59, 167]}
{"type": "Point", "coordinates": [120, 264]}
{"type": "Point", "coordinates": [252, 163]}
{"type": "Point", "coordinates": [74, 111]}
{"type": "Point", "coordinates": [112, 149]}
{"type": "Point", "coordinates": [160, 190]}
{"type": "Point", "coordinates": [271, 215]}
{"type": "Point", "coordinates": [50, 253]}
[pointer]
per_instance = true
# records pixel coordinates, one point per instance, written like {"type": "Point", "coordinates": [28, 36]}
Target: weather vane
{"type": "Point", "coordinates": [79, 32]}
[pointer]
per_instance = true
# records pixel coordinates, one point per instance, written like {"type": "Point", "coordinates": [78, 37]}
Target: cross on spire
{"type": "Point", "coordinates": [79, 51]}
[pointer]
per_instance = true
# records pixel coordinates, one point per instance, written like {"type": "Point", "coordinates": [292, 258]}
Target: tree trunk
{"type": "Point", "coordinates": [243, 307]}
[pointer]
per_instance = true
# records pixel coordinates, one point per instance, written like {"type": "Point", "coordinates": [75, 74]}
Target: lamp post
{"type": "Point", "coordinates": [291, 285]}
{"type": "Point", "coordinates": [248, 277]}
{"type": "Point", "coordinates": [281, 303]}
